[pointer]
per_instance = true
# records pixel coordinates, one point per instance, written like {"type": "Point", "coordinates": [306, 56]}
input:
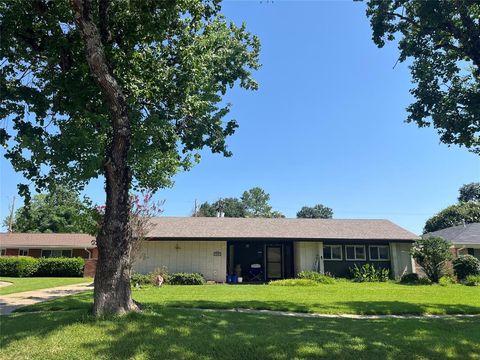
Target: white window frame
{"type": "Point", "coordinates": [355, 253]}
{"type": "Point", "coordinates": [62, 250]}
{"type": "Point", "coordinates": [378, 252]}
{"type": "Point", "coordinates": [23, 250]}
{"type": "Point", "coordinates": [331, 252]}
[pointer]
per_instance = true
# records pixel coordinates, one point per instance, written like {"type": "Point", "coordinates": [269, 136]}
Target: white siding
{"type": "Point", "coordinates": [184, 256]}
{"type": "Point", "coordinates": [305, 255]}
{"type": "Point", "coordinates": [402, 261]}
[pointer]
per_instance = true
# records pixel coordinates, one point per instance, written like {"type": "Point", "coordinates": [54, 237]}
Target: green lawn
{"type": "Point", "coordinates": [342, 297]}
{"type": "Point", "coordinates": [162, 331]}
{"type": "Point", "coordinates": [35, 283]}
{"type": "Point", "coordinates": [191, 334]}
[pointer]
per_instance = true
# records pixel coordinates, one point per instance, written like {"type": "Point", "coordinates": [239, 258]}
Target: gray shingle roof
{"type": "Point", "coordinates": [35, 240]}
{"type": "Point", "coordinates": [259, 228]}
{"type": "Point", "coordinates": [461, 234]}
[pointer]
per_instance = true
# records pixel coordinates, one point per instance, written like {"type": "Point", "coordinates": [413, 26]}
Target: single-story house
{"type": "Point", "coordinates": [267, 249]}
{"type": "Point", "coordinates": [256, 249]}
{"type": "Point", "coordinates": [51, 245]}
{"type": "Point", "coordinates": [465, 238]}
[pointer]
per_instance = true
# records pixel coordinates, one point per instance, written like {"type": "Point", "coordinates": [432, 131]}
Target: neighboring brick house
{"type": "Point", "coordinates": [51, 245]}
{"type": "Point", "coordinates": [465, 238]}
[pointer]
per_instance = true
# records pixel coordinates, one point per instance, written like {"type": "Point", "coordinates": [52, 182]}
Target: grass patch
{"type": "Point", "coordinates": [293, 282]}
{"type": "Point", "coordinates": [189, 334]}
{"type": "Point", "coordinates": [36, 283]}
{"type": "Point", "coordinates": [339, 298]}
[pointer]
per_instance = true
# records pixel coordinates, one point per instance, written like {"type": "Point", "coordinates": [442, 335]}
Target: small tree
{"type": "Point", "coordinates": [142, 210]}
{"type": "Point", "coordinates": [432, 254]}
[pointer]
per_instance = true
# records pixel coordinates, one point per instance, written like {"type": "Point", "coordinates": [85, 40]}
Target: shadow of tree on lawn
{"type": "Point", "coordinates": [186, 334]}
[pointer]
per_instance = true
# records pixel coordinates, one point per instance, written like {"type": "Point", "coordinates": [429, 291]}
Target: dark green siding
{"type": "Point", "coordinates": [341, 268]}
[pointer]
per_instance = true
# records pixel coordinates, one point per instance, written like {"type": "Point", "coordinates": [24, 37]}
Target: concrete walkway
{"type": "Point", "coordinates": [5, 283]}
{"type": "Point", "coordinates": [11, 302]}
{"type": "Point", "coordinates": [336, 316]}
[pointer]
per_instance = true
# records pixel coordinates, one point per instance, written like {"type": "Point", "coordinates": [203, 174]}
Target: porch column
{"type": "Point", "coordinates": [320, 257]}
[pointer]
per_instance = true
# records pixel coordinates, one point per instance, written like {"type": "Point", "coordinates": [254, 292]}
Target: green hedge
{"type": "Point", "coordinates": [66, 267]}
{"type": "Point", "coordinates": [23, 266]}
{"type": "Point", "coordinates": [18, 266]}
{"type": "Point", "coordinates": [186, 279]}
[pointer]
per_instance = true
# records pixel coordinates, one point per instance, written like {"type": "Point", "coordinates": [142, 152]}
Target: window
{"type": "Point", "coordinates": [3, 252]}
{"type": "Point", "coordinates": [379, 253]}
{"type": "Point", "coordinates": [22, 252]}
{"type": "Point", "coordinates": [332, 252]}
{"type": "Point", "coordinates": [355, 252]}
{"type": "Point", "coordinates": [56, 253]}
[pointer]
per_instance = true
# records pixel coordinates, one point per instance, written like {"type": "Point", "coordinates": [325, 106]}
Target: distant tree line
{"type": "Point", "coordinates": [254, 203]}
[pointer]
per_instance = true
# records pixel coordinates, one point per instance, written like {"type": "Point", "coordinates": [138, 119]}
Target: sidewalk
{"type": "Point", "coordinates": [334, 316]}
{"type": "Point", "coordinates": [11, 302]}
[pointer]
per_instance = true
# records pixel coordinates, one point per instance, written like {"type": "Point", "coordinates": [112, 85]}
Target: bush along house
{"type": "Point", "coordinates": [253, 249]}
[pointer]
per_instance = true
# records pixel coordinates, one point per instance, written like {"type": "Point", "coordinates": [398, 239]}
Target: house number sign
{"type": "Point", "coordinates": [217, 253]}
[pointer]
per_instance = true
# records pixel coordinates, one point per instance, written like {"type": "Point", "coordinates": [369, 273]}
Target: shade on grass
{"type": "Point", "coordinates": [339, 298]}
{"type": "Point", "coordinates": [190, 334]}
{"type": "Point", "coordinates": [36, 283]}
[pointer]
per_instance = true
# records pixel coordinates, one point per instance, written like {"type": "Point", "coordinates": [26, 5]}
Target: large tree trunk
{"type": "Point", "coordinates": [112, 293]}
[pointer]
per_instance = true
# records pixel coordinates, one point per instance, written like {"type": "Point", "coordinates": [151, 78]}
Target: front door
{"type": "Point", "coordinates": [274, 256]}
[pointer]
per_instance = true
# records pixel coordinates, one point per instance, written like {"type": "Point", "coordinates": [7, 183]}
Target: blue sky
{"type": "Point", "coordinates": [326, 126]}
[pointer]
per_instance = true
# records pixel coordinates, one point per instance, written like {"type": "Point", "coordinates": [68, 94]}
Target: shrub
{"type": "Point", "coordinates": [472, 280]}
{"type": "Point", "coordinates": [432, 254]}
{"type": "Point", "coordinates": [141, 279]}
{"type": "Point", "coordinates": [411, 278]}
{"type": "Point", "coordinates": [446, 280]}
{"type": "Point", "coordinates": [369, 273]}
{"type": "Point", "coordinates": [424, 281]}
{"type": "Point", "coordinates": [186, 279]}
{"type": "Point", "coordinates": [466, 265]}
{"type": "Point", "coordinates": [294, 282]}
{"type": "Point", "coordinates": [68, 267]}
{"type": "Point", "coordinates": [18, 266]}
{"type": "Point", "coordinates": [316, 276]}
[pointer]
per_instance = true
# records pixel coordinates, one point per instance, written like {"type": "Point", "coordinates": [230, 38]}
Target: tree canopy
{"type": "Point", "coordinates": [469, 192]}
{"type": "Point", "coordinates": [59, 211]}
{"type": "Point", "coordinates": [468, 212]}
{"type": "Point", "coordinates": [231, 207]}
{"type": "Point", "coordinates": [252, 203]}
{"type": "Point", "coordinates": [318, 211]}
{"type": "Point", "coordinates": [442, 38]}
{"type": "Point", "coordinates": [173, 60]}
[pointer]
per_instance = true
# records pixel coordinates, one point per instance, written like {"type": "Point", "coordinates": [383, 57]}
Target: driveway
{"type": "Point", "coordinates": [11, 302]}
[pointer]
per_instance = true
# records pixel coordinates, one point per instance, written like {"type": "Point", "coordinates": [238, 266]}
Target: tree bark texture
{"type": "Point", "coordinates": [112, 294]}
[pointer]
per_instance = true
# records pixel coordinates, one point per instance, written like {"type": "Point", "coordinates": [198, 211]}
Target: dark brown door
{"type": "Point", "coordinates": [274, 258]}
